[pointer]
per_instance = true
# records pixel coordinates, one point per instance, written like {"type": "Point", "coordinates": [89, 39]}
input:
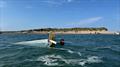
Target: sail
{"type": "Point", "coordinates": [51, 39]}
{"type": "Point", "coordinates": [51, 36]}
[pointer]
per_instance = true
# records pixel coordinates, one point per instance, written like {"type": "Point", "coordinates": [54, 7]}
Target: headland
{"type": "Point", "coordinates": [100, 30]}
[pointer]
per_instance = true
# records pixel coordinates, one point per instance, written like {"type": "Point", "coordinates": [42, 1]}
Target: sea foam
{"type": "Point", "coordinates": [54, 60]}
{"type": "Point", "coordinates": [50, 60]}
{"type": "Point", "coordinates": [70, 51]}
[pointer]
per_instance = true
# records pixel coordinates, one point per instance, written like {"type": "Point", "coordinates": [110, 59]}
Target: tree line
{"type": "Point", "coordinates": [68, 29]}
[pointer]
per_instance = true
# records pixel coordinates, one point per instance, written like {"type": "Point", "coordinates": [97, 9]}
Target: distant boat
{"type": "Point", "coordinates": [117, 33]}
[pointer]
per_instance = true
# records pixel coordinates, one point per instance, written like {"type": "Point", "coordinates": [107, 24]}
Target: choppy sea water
{"type": "Point", "coordinates": [78, 51]}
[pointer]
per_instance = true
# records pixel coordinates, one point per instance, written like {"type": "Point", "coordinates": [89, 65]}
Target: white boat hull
{"type": "Point", "coordinates": [37, 43]}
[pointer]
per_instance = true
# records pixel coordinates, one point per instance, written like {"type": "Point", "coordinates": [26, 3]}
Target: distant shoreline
{"type": "Point", "coordinates": [61, 32]}
{"type": "Point", "coordinates": [79, 32]}
{"type": "Point", "coordinates": [101, 30]}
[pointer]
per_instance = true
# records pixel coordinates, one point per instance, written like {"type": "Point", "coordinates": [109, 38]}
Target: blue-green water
{"type": "Point", "coordinates": [79, 51]}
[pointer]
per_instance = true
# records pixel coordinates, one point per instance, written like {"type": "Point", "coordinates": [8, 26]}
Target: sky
{"type": "Point", "coordinates": [33, 14]}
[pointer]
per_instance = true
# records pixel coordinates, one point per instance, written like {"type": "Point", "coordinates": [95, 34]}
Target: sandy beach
{"type": "Point", "coordinates": [74, 32]}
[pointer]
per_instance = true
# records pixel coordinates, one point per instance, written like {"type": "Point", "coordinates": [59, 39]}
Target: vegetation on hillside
{"type": "Point", "coordinates": [69, 29]}
{"type": "Point", "coordinates": [57, 30]}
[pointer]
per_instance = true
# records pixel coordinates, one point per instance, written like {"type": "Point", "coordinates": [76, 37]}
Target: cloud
{"type": "Point", "coordinates": [2, 4]}
{"type": "Point", "coordinates": [28, 6]}
{"type": "Point", "coordinates": [91, 20]}
{"type": "Point", "coordinates": [51, 2]}
{"type": "Point", "coordinates": [56, 2]}
{"type": "Point", "coordinates": [87, 21]}
{"type": "Point", "coordinates": [69, 0]}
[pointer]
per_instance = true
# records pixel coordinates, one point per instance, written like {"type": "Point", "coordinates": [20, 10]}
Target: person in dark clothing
{"type": "Point", "coordinates": [62, 42]}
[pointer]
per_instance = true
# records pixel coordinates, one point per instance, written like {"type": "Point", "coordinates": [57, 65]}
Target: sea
{"type": "Point", "coordinates": [79, 50]}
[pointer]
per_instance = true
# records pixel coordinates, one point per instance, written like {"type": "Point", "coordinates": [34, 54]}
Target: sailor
{"type": "Point", "coordinates": [62, 42]}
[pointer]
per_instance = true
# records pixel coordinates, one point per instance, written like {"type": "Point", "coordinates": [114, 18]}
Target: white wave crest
{"type": "Point", "coordinates": [70, 51]}
{"type": "Point", "coordinates": [92, 59]}
{"type": "Point", "coordinates": [53, 60]}
{"type": "Point", "coordinates": [50, 60]}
